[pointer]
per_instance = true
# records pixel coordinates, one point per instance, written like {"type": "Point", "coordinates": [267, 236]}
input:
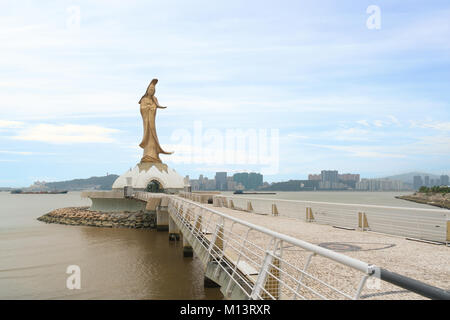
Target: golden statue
{"type": "Point", "coordinates": [150, 142]}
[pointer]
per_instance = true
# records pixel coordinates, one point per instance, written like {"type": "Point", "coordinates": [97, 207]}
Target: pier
{"type": "Point", "coordinates": [254, 249]}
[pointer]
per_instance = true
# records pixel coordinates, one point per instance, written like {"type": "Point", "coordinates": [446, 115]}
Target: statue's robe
{"type": "Point", "coordinates": [150, 142]}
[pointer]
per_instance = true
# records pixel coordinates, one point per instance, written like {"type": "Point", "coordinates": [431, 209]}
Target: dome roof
{"type": "Point", "coordinates": [143, 173]}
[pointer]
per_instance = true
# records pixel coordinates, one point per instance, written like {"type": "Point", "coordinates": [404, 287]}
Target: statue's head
{"type": "Point", "coordinates": [150, 89]}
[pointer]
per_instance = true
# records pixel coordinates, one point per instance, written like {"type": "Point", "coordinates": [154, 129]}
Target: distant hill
{"type": "Point", "coordinates": [98, 183]}
{"type": "Point", "coordinates": [408, 177]}
{"type": "Point", "coordinates": [291, 185]}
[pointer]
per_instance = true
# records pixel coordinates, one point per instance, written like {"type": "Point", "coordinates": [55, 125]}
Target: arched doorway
{"type": "Point", "coordinates": [154, 186]}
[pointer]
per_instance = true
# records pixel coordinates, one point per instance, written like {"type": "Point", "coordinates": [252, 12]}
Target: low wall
{"type": "Point", "coordinates": [117, 205]}
{"type": "Point", "coordinates": [113, 201]}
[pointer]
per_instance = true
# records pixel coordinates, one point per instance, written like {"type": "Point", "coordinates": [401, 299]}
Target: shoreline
{"type": "Point", "coordinates": [81, 216]}
{"type": "Point", "coordinates": [431, 200]}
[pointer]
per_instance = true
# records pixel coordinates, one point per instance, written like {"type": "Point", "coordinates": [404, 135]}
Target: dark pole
{"type": "Point", "coordinates": [414, 285]}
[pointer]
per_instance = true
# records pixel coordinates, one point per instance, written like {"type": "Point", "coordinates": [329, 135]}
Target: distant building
{"type": "Point", "coordinates": [427, 181]}
{"type": "Point", "coordinates": [250, 181]}
{"type": "Point", "coordinates": [202, 184]}
{"type": "Point", "coordinates": [221, 181]}
{"type": "Point", "coordinates": [379, 185]}
{"type": "Point", "coordinates": [315, 177]}
{"type": "Point", "coordinates": [444, 180]}
{"type": "Point", "coordinates": [417, 182]}
{"type": "Point", "coordinates": [329, 176]}
{"type": "Point", "coordinates": [332, 180]}
{"type": "Point", "coordinates": [349, 179]}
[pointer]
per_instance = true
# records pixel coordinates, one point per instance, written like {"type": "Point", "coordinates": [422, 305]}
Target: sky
{"type": "Point", "coordinates": [304, 85]}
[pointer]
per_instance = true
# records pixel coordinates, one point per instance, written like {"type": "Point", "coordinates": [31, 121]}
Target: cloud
{"type": "Point", "coordinates": [10, 124]}
{"type": "Point", "coordinates": [363, 122]}
{"type": "Point", "coordinates": [436, 125]}
{"type": "Point", "coordinates": [67, 134]}
{"type": "Point", "coordinates": [23, 153]}
{"type": "Point", "coordinates": [361, 151]}
{"type": "Point", "coordinates": [378, 123]}
{"type": "Point", "coordinates": [296, 136]}
{"type": "Point", "coordinates": [350, 134]}
{"type": "Point", "coordinates": [393, 119]}
{"type": "Point", "coordinates": [430, 146]}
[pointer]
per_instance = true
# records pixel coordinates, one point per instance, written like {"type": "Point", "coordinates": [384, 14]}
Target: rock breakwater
{"type": "Point", "coordinates": [433, 199]}
{"type": "Point", "coordinates": [81, 216]}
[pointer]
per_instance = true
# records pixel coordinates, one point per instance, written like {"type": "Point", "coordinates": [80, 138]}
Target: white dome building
{"type": "Point", "coordinates": [144, 173]}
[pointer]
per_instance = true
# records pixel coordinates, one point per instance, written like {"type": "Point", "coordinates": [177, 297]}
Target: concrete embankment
{"type": "Point", "coordinates": [434, 199]}
{"type": "Point", "coordinates": [81, 216]}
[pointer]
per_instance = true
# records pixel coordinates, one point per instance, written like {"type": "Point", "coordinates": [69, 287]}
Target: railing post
{"type": "Point", "coordinates": [363, 225]}
{"type": "Point", "coordinates": [216, 245]}
{"type": "Point", "coordinates": [272, 285]}
{"type": "Point", "coordinates": [274, 210]}
{"type": "Point", "coordinates": [198, 224]}
{"type": "Point", "coordinates": [268, 279]}
{"type": "Point", "coordinates": [249, 206]}
{"type": "Point", "coordinates": [309, 215]}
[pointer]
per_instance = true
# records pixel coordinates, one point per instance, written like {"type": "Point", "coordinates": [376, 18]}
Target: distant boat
{"type": "Point", "coordinates": [19, 191]}
{"type": "Point", "coordinates": [242, 192]}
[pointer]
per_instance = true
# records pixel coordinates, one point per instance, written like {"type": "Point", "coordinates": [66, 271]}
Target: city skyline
{"type": "Point", "coordinates": [310, 176]}
{"type": "Point", "coordinates": [326, 180]}
{"type": "Point", "coordinates": [338, 94]}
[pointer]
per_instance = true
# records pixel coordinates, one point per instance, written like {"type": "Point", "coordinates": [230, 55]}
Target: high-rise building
{"type": "Point", "coordinates": [444, 180]}
{"type": "Point", "coordinates": [349, 177]}
{"type": "Point", "coordinates": [417, 182]}
{"type": "Point", "coordinates": [379, 185]}
{"type": "Point", "coordinates": [221, 181]}
{"type": "Point", "coordinates": [242, 178]}
{"type": "Point", "coordinates": [331, 179]}
{"type": "Point", "coordinates": [329, 176]}
{"type": "Point", "coordinates": [250, 180]}
{"type": "Point", "coordinates": [427, 181]}
{"type": "Point", "coordinates": [255, 180]}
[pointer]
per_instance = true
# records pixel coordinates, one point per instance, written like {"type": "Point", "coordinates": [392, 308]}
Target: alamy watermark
{"type": "Point", "coordinates": [74, 280]}
{"type": "Point", "coordinates": [74, 18]}
{"type": "Point", "coordinates": [238, 146]}
{"type": "Point", "coordinates": [374, 20]}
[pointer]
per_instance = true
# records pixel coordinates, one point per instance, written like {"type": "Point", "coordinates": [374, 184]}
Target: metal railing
{"type": "Point", "coordinates": [266, 264]}
{"type": "Point", "coordinates": [427, 224]}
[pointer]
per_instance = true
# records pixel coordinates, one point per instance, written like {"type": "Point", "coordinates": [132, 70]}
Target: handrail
{"type": "Point", "coordinates": [414, 285]}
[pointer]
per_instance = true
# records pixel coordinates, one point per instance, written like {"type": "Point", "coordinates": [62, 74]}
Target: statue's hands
{"type": "Point", "coordinates": [161, 107]}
